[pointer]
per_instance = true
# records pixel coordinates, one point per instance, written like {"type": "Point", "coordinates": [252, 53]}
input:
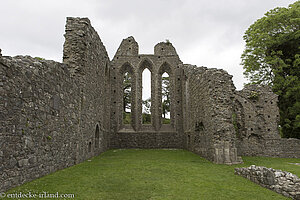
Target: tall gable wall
{"type": "Point", "coordinates": [52, 114]}
{"type": "Point", "coordinates": [88, 63]}
{"type": "Point", "coordinates": [136, 134]}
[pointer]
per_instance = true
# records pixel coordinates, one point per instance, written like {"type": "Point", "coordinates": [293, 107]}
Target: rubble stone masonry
{"type": "Point", "coordinates": [54, 115]}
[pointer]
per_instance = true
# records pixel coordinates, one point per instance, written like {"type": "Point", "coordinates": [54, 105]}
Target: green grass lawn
{"type": "Point", "coordinates": [157, 174]}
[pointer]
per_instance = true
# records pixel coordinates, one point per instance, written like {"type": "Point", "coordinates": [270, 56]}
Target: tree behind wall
{"type": "Point", "coordinates": [146, 113]}
{"type": "Point", "coordinates": [166, 108]}
{"type": "Point", "coordinates": [272, 57]}
{"type": "Point", "coordinates": [127, 98]}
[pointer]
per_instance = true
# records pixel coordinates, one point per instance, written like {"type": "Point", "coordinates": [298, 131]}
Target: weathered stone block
{"type": "Point", "coordinates": [23, 163]}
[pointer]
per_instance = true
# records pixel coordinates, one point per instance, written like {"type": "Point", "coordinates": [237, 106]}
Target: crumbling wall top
{"type": "Point", "coordinates": [82, 43]}
{"type": "Point", "coordinates": [165, 49]}
{"type": "Point", "coordinates": [128, 47]}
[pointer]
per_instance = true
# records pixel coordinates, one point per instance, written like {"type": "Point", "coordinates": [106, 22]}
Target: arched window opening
{"type": "Point", "coordinates": [165, 97]}
{"type": "Point", "coordinates": [97, 137]}
{"type": "Point", "coordinates": [127, 96]}
{"type": "Point", "coordinates": [146, 96]}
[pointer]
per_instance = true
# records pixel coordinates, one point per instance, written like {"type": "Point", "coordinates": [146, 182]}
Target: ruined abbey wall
{"type": "Point", "coordinates": [137, 134]}
{"type": "Point", "coordinates": [88, 63]}
{"type": "Point", "coordinates": [256, 116]}
{"type": "Point", "coordinates": [54, 115]}
{"type": "Point", "coordinates": [208, 114]}
{"type": "Point", "coordinates": [38, 127]}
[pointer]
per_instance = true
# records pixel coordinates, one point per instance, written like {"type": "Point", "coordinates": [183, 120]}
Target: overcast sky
{"type": "Point", "coordinates": [204, 32]}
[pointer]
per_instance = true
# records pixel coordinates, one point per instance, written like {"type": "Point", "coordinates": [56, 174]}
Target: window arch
{"type": "Point", "coordinates": [126, 107]}
{"type": "Point", "coordinates": [146, 96]}
{"type": "Point", "coordinates": [165, 91]}
{"type": "Point", "coordinates": [145, 82]}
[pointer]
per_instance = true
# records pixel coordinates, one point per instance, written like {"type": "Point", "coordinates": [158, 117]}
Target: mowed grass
{"type": "Point", "coordinates": [156, 174]}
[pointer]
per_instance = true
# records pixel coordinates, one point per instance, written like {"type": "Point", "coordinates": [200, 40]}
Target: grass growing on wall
{"type": "Point", "coordinates": [156, 174]}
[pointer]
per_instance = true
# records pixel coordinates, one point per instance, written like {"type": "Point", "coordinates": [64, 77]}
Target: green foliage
{"type": "Point", "coordinates": [146, 115]}
{"type": "Point", "coordinates": [127, 98]}
{"type": "Point", "coordinates": [146, 118]}
{"type": "Point", "coordinates": [157, 174]}
{"type": "Point", "coordinates": [166, 121]}
{"type": "Point", "coordinates": [254, 95]}
{"type": "Point", "coordinates": [272, 57]}
{"type": "Point", "coordinates": [126, 118]}
{"type": "Point", "coordinates": [127, 92]}
{"type": "Point", "coordinates": [39, 58]}
{"type": "Point", "coordinates": [166, 105]}
{"type": "Point", "coordinates": [146, 106]}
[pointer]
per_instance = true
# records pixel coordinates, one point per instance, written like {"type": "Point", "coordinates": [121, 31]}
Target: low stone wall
{"type": "Point", "coordinates": [149, 140]}
{"type": "Point", "coordinates": [282, 182]}
{"type": "Point", "coordinates": [282, 147]}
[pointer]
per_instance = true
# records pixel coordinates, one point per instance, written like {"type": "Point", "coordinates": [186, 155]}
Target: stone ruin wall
{"type": "Point", "coordinates": [88, 63]}
{"type": "Point", "coordinates": [54, 115]}
{"type": "Point", "coordinates": [282, 182]}
{"type": "Point", "coordinates": [208, 114]}
{"type": "Point", "coordinates": [136, 134]}
{"type": "Point", "coordinates": [256, 116]}
{"type": "Point", "coordinates": [50, 112]}
{"type": "Point", "coordinates": [39, 119]}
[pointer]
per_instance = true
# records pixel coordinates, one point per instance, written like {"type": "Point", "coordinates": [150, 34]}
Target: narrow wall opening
{"type": "Point", "coordinates": [90, 147]}
{"type": "Point", "coordinates": [146, 96]}
{"type": "Point", "coordinates": [127, 96]}
{"type": "Point", "coordinates": [165, 93]}
{"type": "Point", "coordinates": [97, 137]}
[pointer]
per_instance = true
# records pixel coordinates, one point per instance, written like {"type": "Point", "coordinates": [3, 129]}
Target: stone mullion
{"type": "Point", "coordinates": [133, 101]}
{"type": "Point", "coordinates": [159, 100]}
{"type": "Point", "coordinates": [119, 101]}
{"type": "Point", "coordinates": [138, 100]}
{"type": "Point", "coordinates": [154, 100]}
{"type": "Point", "coordinates": [172, 99]}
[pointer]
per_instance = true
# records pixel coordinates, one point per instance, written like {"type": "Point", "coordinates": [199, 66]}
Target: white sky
{"type": "Point", "coordinates": [204, 33]}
